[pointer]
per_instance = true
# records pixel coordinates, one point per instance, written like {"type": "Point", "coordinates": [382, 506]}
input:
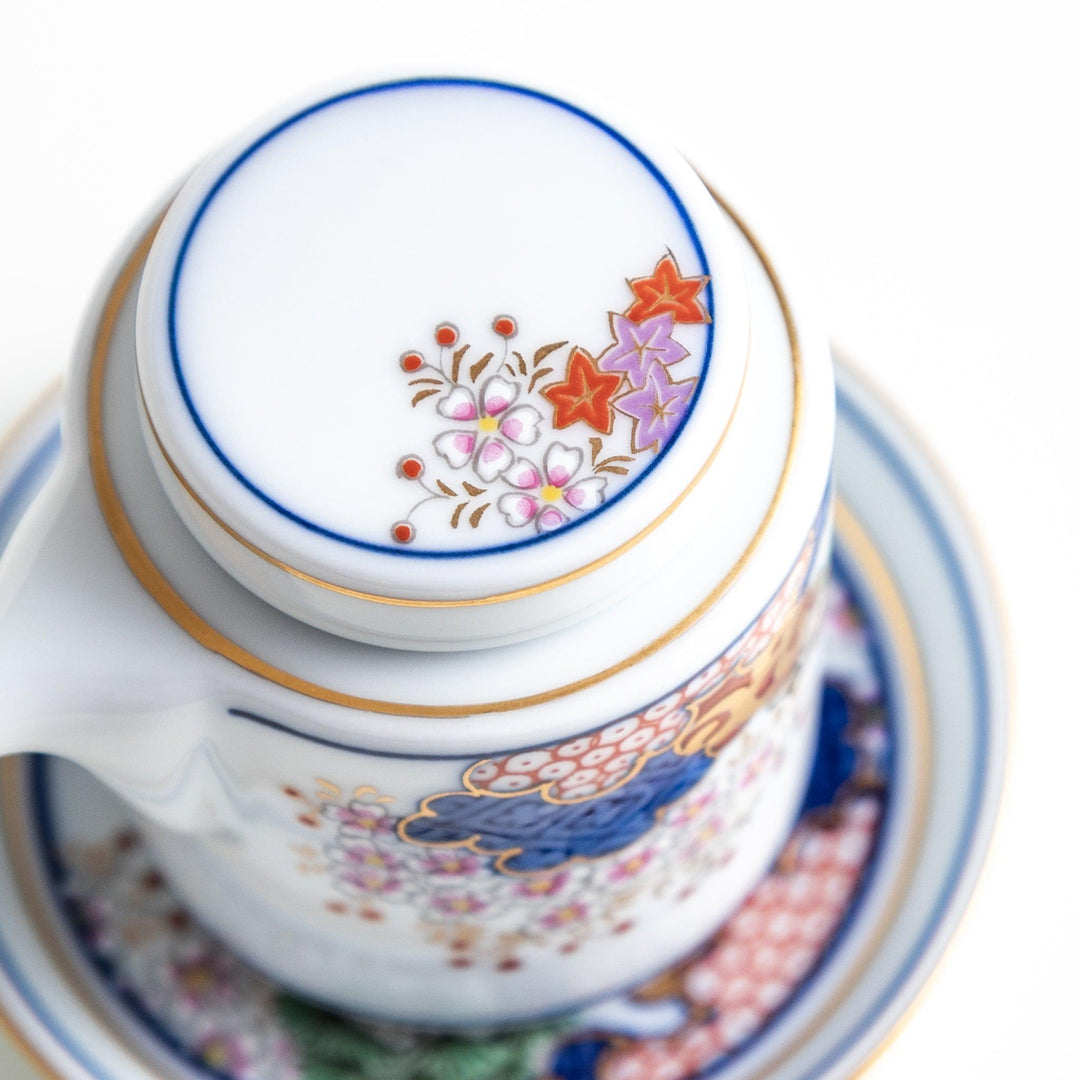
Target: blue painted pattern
{"type": "Point", "coordinates": [539, 835]}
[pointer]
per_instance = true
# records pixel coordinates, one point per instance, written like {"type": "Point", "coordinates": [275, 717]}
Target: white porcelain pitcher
{"type": "Point", "coordinates": [436, 551]}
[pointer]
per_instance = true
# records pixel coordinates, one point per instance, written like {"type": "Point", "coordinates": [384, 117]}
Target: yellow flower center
{"type": "Point", "coordinates": [489, 423]}
{"type": "Point", "coordinates": [550, 493]}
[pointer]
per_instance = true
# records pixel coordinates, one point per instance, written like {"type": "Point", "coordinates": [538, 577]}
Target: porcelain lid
{"type": "Point", "coordinates": [440, 339]}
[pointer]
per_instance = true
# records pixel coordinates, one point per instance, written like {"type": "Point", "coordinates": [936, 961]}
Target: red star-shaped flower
{"type": "Point", "coordinates": [585, 394]}
{"type": "Point", "coordinates": [667, 290]}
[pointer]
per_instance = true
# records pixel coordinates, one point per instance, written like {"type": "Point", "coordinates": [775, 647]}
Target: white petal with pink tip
{"type": "Point", "coordinates": [550, 518]}
{"type": "Point", "coordinates": [518, 509]}
{"type": "Point", "coordinates": [521, 425]}
{"type": "Point", "coordinates": [459, 404]}
{"type": "Point", "coordinates": [493, 457]}
{"type": "Point", "coordinates": [497, 395]}
{"type": "Point", "coordinates": [523, 474]}
{"type": "Point", "coordinates": [456, 447]}
{"type": "Point", "coordinates": [560, 464]}
{"type": "Point", "coordinates": [586, 494]}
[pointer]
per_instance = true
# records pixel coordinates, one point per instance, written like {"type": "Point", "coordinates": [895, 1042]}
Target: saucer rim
{"type": "Point", "coordinates": [877, 420]}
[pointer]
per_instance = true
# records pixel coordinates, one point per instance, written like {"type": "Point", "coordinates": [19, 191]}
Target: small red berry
{"type": "Point", "coordinates": [511, 963]}
{"type": "Point", "coordinates": [403, 532]}
{"type": "Point", "coordinates": [410, 467]}
{"type": "Point", "coordinates": [446, 334]}
{"type": "Point", "coordinates": [505, 326]}
{"type": "Point", "coordinates": [411, 361]}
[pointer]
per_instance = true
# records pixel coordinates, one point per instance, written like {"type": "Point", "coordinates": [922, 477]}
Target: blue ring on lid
{"type": "Point", "coordinates": [367, 545]}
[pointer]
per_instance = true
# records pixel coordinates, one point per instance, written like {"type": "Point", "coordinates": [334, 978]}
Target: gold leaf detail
{"type": "Point", "coordinates": [472, 489]}
{"type": "Point", "coordinates": [457, 514]}
{"type": "Point", "coordinates": [418, 397]}
{"type": "Point", "coordinates": [538, 375]}
{"type": "Point", "coordinates": [455, 367]}
{"type": "Point", "coordinates": [544, 350]}
{"type": "Point", "coordinates": [479, 366]}
{"type": "Point", "coordinates": [477, 514]}
{"type": "Point", "coordinates": [445, 488]}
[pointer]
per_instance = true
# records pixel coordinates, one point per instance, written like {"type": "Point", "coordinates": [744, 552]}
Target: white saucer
{"type": "Point", "coordinates": [102, 977]}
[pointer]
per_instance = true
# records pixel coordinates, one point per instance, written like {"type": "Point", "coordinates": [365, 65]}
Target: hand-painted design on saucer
{"type": "Point", "coordinates": [234, 1023]}
{"type": "Point", "coordinates": [503, 451]}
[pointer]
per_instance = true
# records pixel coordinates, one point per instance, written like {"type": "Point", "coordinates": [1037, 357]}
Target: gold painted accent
{"type": "Point", "coordinates": [155, 583]}
{"type": "Point", "coordinates": [718, 716]}
{"type": "Point", "coordinates": [26, 1049]}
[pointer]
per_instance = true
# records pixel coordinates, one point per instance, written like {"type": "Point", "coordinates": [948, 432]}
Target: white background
{"type": "Point", "coordinates": [921, 158]}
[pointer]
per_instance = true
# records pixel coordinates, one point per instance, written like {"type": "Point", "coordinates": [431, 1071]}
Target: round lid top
{"type": "Point", "coordinates": [440, 338]}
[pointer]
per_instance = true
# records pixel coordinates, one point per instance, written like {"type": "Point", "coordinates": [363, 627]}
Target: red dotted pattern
{"type": "Point", "coordinates": [585, 766]}
{"type": "Point", "coordinates": [763, 953]}
{"type": "Point", "coordinates": [591, 764]}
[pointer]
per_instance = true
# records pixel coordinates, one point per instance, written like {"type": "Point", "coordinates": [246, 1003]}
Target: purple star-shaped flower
{"type": "Point", "coordinates": [657, 409]}
{"type": "Point", "coordinates": [641, 346]}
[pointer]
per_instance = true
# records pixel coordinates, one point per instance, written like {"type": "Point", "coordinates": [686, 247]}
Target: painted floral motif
{"type": "Point", "coordinates": [221, 1013]}
{"type": "Point", "coordinates": [585, 394]}
{"type": "Point", "coordinates": [226, 1018]}
{"type": "Point", "coordinates": [657, 408]}
{"type": "Point", "coordinates": [547, 497]}
{"type": "Point", "coordinates": [666, 291]}
{"type": "Point", "coordinates": [501, 448]}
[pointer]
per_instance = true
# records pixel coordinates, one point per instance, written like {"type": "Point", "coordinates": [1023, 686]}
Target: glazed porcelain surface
{"type": "Point", "coordinates": [109, 976]}
{"type": "Point", "coordinates": [165, 606]}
